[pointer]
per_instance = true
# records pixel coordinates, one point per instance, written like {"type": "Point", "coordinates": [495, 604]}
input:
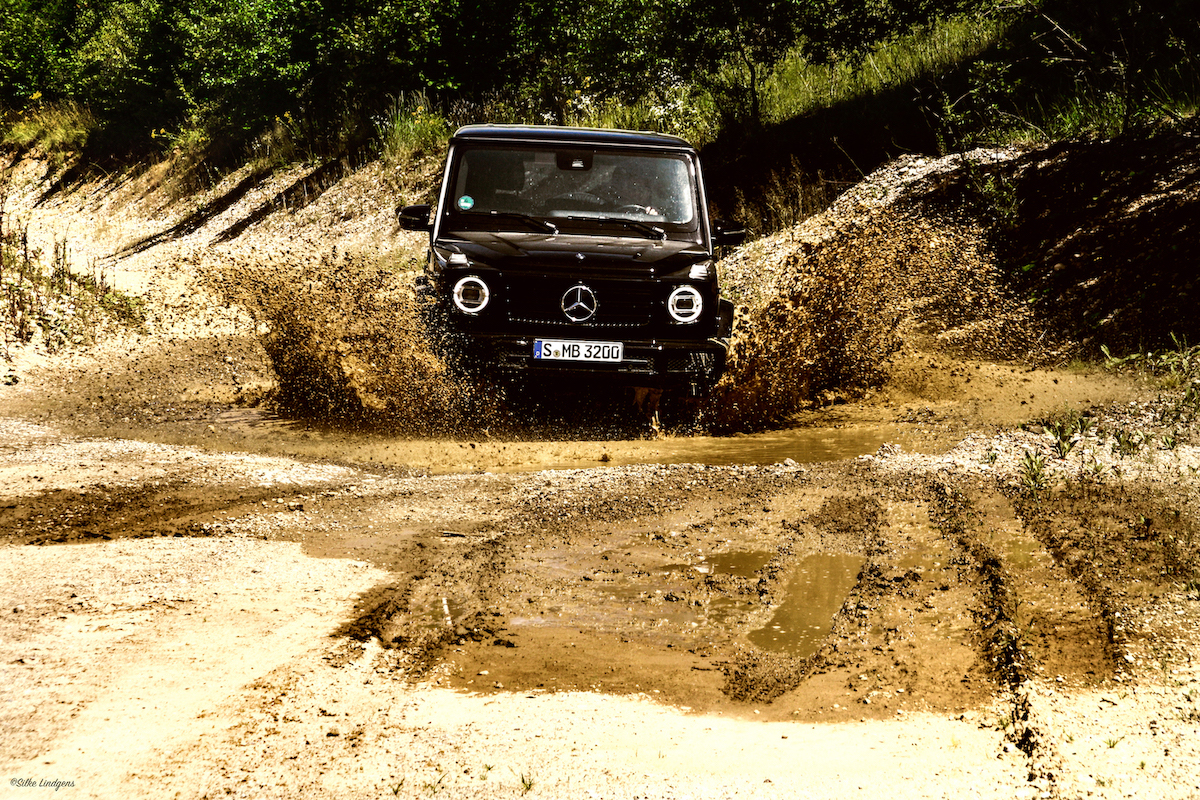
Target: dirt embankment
{"type": "Point", "coordinates": [201, 597]}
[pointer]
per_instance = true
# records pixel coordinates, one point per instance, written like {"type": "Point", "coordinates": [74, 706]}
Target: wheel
{"type": "Point", "coordinates": [682, 412]}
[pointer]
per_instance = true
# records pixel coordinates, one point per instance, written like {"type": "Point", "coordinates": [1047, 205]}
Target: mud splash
{"type": "Point", "coordinates": [842, 305]}
{"type": "Point", "coordinates": [823, 309]}
{"type": "Point", "coordinates": [347, 340]}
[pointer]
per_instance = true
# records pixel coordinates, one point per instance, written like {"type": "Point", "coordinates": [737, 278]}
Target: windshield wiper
{"type": "Point", "coordinates": [652, 231]}
{"type": "Point", "coordinates": [540, 224]}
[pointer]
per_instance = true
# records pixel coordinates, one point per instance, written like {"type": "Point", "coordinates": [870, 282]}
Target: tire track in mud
{"type": "Point", "coordinates": [561, 543]}
{"type": "Point", "coordinates": [1041, 616]}
{"type": "Point", "coordinates": [104, 512]}
{"type": "Point", "coordinates": [914, 590]}
{"type": "Point", "coordinates": [1120, 546]}
{"type": "Point", "coordinates": [581, 585]}
{"type": "Point", "coordinates": [651, 579]}
{"type": "Point", "coordinates": [621, 569]}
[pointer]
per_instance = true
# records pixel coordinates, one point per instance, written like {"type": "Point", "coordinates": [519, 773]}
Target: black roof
{"type": "Point", "coordinates": [570, 136]}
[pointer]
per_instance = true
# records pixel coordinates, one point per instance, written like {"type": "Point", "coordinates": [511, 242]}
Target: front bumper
{"type": "Point", "coordinates": [660, 364]}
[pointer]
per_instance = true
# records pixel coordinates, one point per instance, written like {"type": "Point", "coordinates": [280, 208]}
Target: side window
{"type": "Point", "coordinates": [674, 185]}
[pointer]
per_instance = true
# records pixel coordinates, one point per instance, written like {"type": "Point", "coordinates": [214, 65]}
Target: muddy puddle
{"type": "Point", "coordinates": [817, 589]}
{"type": "Point", "coordinates": [263, 431]}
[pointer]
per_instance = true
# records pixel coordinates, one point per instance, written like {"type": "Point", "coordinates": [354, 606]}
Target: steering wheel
{"type": "Point", "coordinates": [647, 210]}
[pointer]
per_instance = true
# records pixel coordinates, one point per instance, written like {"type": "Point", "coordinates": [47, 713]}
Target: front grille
{"type": "Point", "coordinates": [565, 323]}
{"type": "Point", "coordinates": [690, 362]}
{"type": "Point", "coordinates": [620, 304]}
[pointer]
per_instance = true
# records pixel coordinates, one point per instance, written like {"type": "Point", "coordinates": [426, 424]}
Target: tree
{"type": "Point", "coordinates": [34, 39]}
{"type": "Point", "coordinates": [126, 68]}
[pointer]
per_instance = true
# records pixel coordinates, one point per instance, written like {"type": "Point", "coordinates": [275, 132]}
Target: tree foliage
{"type": "Point", "coordinates": [34, 38]}
{"type": "Point", "coordinates": [223, 72]}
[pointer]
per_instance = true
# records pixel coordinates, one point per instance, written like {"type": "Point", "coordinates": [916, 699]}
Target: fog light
{"type": "Point", "coordinates": [685, 304]}
{"type": "Point", "coordinates": [471, 295]}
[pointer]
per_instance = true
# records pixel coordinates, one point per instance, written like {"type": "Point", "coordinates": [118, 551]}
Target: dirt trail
{"type": "Point", "coordinates": [194, 605]}
{"type": "Point", "coordinates": [599, 611]}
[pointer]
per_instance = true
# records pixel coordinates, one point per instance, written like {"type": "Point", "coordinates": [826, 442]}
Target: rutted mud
{"type": "Point", "coordinates": [814, 593]}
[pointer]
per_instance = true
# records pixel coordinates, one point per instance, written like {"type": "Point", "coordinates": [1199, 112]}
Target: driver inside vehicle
{"type": "Point", "coordinates": [630, 190]}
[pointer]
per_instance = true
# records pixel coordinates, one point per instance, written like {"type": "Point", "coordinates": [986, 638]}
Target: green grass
{"type": "Point", "coordinates": [59, 130]}
{"type": "Point", "coordinates": [798, 87]}
{"type": "Point", "coordinates": [411, 128]}
{"type": "Point", "coordinates": [416, 124]}
{"type": "Point", "coordinates": [1172, 368]}
{"type": "Point", "coordinates": [676, 109]}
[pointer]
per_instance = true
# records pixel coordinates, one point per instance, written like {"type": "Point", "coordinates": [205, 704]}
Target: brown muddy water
{"type": "Point", "coordinates": [818, 587]}
{"type": "Point", "coordinates": [264, 431]}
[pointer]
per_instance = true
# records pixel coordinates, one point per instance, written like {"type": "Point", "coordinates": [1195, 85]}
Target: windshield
{"type": "Point", "coordinates": [568, 186]}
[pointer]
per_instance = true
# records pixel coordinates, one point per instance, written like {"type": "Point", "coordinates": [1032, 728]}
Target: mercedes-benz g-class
{"type": "Point", "coordinates": [578, 253]}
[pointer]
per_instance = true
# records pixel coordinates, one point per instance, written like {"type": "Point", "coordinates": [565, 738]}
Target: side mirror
{"type": "Point", "coordinates": [728, 233]}
{"type": "Point", "coordinates": [415, 218]}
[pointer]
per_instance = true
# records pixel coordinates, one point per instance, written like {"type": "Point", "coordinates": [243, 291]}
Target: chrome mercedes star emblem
{"type": "Point", "coordinates": [579, 303]}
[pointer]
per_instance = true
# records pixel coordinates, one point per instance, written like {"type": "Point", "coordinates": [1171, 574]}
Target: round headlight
{"type": "Point", "coordinates": [685, 304]}
{"type": "Point", "coordinates": [471, 295]}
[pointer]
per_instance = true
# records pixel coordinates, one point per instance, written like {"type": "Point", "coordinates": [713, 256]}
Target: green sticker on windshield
{"type": "Point", "coordinates": [466, 202]}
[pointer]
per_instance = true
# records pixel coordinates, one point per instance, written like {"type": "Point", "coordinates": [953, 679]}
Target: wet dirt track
{"type": "Point", "coordinates": [943, 588]}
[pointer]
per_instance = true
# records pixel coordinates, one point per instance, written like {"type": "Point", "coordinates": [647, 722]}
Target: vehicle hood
{"type": "Point", "coordinates": [521, 251]}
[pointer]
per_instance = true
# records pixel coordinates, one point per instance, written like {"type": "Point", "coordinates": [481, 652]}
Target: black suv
{"type": "Point", "coordinates": [573, 251]}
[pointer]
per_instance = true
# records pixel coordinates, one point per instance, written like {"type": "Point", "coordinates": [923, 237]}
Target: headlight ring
{"type": "Point", "coordinates": [685, 304]}
{"type": "Point", "coordinates": [471, 295]}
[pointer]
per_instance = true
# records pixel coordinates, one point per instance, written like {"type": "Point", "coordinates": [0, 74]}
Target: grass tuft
{"type": "Point", "coordinates": [58, 131]}
{"type": "Point", "coordinates": [49, 304]}
{"type": "Point", "coordinates": [411, 128]}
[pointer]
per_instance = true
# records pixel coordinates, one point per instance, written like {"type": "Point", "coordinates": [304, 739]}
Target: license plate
{"type": "Point", "coordinates": [568, 350]}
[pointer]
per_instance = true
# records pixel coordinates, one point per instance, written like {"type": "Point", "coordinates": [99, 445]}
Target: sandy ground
{"type": "Point", "coordinates": [200, 599]}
